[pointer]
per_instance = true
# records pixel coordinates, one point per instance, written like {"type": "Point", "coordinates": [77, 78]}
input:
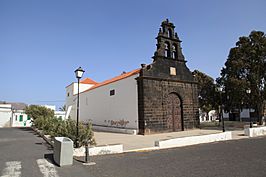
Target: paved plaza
{"type": "Point", "coordinates": [138, 142]}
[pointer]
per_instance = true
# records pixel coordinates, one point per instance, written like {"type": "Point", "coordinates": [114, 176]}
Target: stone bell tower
{"type": "Point", "coordinates": [167, 90]}
{"type": "Point", "coordinates": [168, 43]}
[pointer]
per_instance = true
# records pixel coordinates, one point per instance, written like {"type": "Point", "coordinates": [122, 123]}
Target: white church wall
{"type": "Point", "coordinates": [119, 110]}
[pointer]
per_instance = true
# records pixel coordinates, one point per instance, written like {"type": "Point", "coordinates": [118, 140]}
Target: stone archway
{"type": "Point", "coordinates": [174, 112]}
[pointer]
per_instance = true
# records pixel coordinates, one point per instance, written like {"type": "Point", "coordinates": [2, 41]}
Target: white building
{"type": "Point", "coordinates": [213, 115]}
{"type": "Point", "coordinates": [104, 103]}
{"type": "Point", "coordinates": [208, 117]}
{"type": "Point", "coordinates": [5, 115]}
{"type": "Point", "coordinates": [242, 115]}
{"type": "Point", "coordinates": [13, 115]}
{"type": "Point", "coordinates": [19, 118]}
{"type": "Point", "coordinates": [60, 114]}
{"type": "Point", "coordinates": [57, 114]}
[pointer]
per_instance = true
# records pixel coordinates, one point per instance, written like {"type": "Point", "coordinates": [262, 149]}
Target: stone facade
{"type": "Point", "coordinates": [167, 90]}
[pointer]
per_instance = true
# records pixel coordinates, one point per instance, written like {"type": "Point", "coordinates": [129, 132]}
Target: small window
{"type": "Point", "coordinates": [112, 92]}
{"type": "Point", "coordinates": [28, 117]}
{"type": "Point", "coordinates": [172, 71]}
{"type": "Point", "coordinates": [68, 94]}
{"type": "Point", "coordinates": [16, 117]}
{"type": "Point", "coordinates": [20, 118]}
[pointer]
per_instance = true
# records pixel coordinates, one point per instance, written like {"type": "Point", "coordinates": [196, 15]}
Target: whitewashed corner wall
{"type": "Point", "coordinates": [71, 97]}
{"type": "Point", "coordinates": [119, 110]}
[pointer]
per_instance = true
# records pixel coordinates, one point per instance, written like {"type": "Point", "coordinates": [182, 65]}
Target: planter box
{"type": "Point", "coordinates": [255, 131]}
{"type": "Point", "coordinates": [100, 150]}
{"type": "Point", "coordinates": [192, 140]}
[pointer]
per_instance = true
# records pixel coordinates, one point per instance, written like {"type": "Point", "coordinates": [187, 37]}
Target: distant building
{"type": "Point", "coordinates": [57, 114]}
{"type": "Point", "coordinates": [13, 115]}
{"type": "Point", "coordinates": [208, 117]}
{"type": "Point", "coordinates": [159, 97]}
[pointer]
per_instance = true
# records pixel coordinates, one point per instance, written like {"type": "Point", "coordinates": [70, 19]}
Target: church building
{"type": "Point", "coordinates": [158, 97]}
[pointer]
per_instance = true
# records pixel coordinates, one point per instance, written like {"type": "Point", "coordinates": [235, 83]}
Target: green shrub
{"type": "Point", "coordinates": [66, 128]}
{"type": "Point", "coordinates": [43, 119]}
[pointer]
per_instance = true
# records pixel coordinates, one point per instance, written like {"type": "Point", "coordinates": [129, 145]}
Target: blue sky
{"type": "Point", "coordinates": [42, 42]}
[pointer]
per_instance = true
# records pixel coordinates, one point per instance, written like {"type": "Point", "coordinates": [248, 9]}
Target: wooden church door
{"type": "Point", "coordinates": [174, 112]}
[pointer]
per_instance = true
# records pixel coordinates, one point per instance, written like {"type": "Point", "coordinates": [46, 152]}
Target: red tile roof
{"type": "Point", "coordinates": [88, 81]}
{"type": "Point", "coordinates": [117, 78]}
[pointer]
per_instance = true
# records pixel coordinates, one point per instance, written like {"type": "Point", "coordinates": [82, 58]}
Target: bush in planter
{"type": "Point", "coordinates": [86, 135]}
{"type": "Point", "coordinates": [68, 129]}
{"type": "Point", "coordinates": [36, 112]}
{"type": "Point", "coordinates": [43, 119]}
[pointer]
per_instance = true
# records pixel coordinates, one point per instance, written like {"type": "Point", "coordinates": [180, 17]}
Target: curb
{"type": "Point", "coordinates": [48, 140]}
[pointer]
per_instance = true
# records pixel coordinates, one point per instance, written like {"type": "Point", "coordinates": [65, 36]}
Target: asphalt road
{"type": "Point", "coordinates": [23, 153]}
{"type": "Point", "coordinates": [238, 158]}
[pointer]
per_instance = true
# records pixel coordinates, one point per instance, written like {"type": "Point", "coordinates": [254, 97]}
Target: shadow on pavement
{"type": "Point", "coordinates": [50, 158]}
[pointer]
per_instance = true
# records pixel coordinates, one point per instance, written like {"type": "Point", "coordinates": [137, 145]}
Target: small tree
{"type": "Point", "coordinates": [208, 98]}
{"type": "Point", "coordinates": [40, 116]}
{"type": "Point", "coordinates": [63, 108]}
{"type": "Point", "coordinates": [36, 111]}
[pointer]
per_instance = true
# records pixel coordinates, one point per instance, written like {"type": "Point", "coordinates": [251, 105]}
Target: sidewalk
{"type": "Point", "coordinates": [136, 142]}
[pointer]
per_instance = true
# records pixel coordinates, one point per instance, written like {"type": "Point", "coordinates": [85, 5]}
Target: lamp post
{"type": "Point", "coordinates": [220, 89]}
{"type": "Point", "coordinates": [79, 72]}
{"type": "Point", "coordinates": [248, 91]}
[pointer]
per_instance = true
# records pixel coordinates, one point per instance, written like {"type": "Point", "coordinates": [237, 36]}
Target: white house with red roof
{"type": "Point", "coordinates": [112, 103]}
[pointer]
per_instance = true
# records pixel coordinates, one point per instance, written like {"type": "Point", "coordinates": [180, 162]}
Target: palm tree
{"type": "Point", "coordinates": [63, 108]}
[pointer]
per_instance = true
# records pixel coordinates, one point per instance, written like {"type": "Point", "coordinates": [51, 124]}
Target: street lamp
{"type": "Point", "coordinates": [79, 72]}
{"type": "Point", "coordinates": [220, 89]}
{"type": "Point", "coordinates": [248, 91]}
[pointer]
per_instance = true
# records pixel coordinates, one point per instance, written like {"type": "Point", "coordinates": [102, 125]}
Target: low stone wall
{"type": "Point", "coordinates": [99, 150]}
{"type": "Point", "coordinates": [256, 131]}
{"type": "Point", "coordinates": [192, 140]}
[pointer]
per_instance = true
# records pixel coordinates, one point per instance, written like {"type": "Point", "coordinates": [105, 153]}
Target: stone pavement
{"type": "Point", "coordinates": [137, 142]}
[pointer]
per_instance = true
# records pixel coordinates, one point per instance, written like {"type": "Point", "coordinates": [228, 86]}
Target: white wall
{"type": "Point", "coordinates": [52, 107]}
{"type": "Point", "coordinates": [244, 113]}
{"type": "Point", "coordinates": [71, 97]}
{"type": "Point", "coordinates": [70, 100]}
{"type": "Point", "coordinates": [213, 115]}
{"type": "Point", "coordinates": [82, 87]}
{"type": "Point", "coordinates": [102, 109]}
{"type": "Point", "coordinates": [225, 115]}
{"type": "Point", "coordinates": [5, 114]}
